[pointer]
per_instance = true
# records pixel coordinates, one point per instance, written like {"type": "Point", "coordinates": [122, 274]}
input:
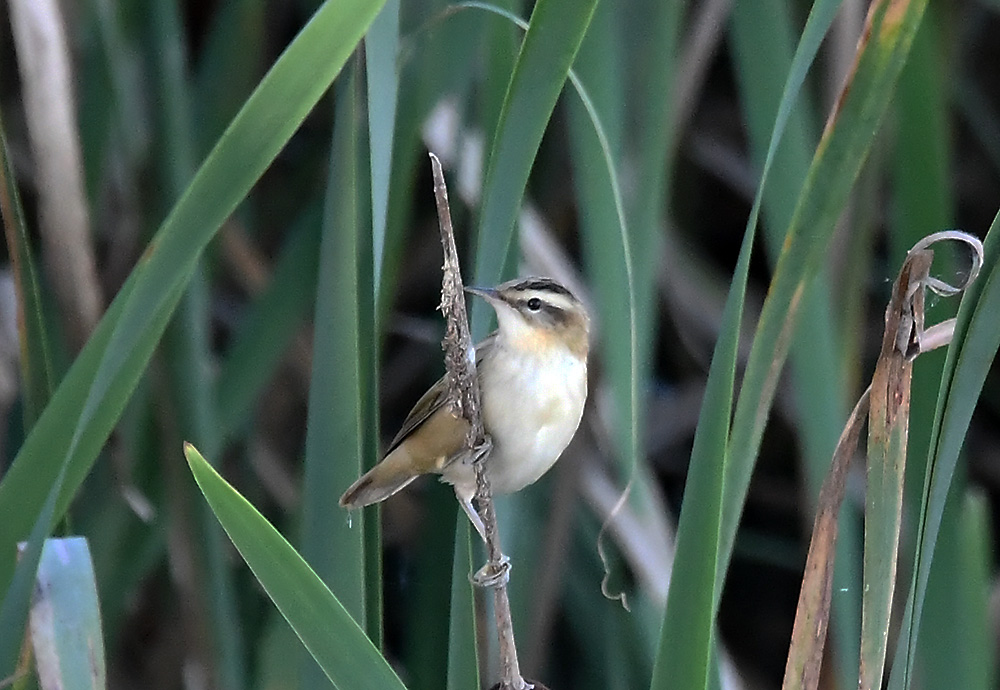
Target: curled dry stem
{"type": "Point", "coordinates": [886, 403]}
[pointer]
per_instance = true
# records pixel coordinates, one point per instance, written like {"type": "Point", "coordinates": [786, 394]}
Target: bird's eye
{"type": "Point", "coordinates": [534, 304]}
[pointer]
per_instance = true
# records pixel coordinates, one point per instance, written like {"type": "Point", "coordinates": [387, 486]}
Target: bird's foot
{"type": "Point", "coordinates": [482, 449]}
{"type": "Point", "coordinates": [492, 574]}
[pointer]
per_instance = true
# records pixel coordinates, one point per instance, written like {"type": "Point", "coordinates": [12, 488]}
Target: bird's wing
{"type": "Point", "coordinates": [437, 396]}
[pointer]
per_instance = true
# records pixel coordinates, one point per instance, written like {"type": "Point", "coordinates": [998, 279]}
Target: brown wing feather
{"type": "Point", "coordinates": [431, 401]}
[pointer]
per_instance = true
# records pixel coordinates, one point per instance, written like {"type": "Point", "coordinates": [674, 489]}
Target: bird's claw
{"type": "Point", "coordinates": [492, 574]}
{"type": "Point", "coordinates": [482, 449]}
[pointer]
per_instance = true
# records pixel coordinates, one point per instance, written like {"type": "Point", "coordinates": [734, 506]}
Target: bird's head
{"type": "Point", "coordinates": [538, 314]}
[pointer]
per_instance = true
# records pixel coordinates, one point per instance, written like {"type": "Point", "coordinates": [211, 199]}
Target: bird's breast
{"type": "Point", "coordinates": [532, 405]}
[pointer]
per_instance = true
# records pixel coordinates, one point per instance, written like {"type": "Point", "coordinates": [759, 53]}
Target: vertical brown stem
{"type": "Point", "coordinates": [464, 396]}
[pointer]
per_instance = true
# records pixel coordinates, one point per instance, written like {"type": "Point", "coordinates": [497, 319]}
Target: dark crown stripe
{"type": "Point", "coordinates": [544, 285]}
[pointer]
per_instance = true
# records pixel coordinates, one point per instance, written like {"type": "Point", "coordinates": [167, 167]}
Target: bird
{"type": "Point", "coordinates": [532, 375]}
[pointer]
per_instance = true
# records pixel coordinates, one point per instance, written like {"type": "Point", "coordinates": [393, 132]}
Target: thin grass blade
{"type": "Point", "coordinates": [36, 369]}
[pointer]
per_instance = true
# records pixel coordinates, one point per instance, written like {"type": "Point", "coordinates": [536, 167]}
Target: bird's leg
{"type": "Point", "coordinates": [491, 575]}
{"type": "Point", "coordinates": [470, 511]}
{"type": "Point", "coordinates": [488, 575]}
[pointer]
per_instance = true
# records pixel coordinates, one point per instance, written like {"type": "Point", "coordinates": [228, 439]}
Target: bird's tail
{"type": "Point", "coordinates": [382, 481]}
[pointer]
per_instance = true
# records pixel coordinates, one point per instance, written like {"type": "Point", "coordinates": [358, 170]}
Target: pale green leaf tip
{"type": "Point", "coordinates": [191, 453]}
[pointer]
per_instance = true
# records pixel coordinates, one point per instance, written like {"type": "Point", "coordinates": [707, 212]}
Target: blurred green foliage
{"type": "Point", "coordinates": [269, 250]}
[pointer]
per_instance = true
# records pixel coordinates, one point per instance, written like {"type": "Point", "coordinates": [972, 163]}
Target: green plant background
{"type": "Point", "coordinates": [263, 221]}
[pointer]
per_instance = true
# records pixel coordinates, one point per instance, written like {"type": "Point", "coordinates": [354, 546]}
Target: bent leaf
{"type": "Point", "coordinates": [335, 640]}
{"type": "Point", "coordinates": [812, 616]}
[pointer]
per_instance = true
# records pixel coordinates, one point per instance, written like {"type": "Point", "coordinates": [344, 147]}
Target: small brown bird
{"type": "Point", "coordinates": [533, 378]}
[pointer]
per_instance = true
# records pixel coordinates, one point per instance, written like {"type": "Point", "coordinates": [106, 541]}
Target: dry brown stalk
{"type": "Point", "coordinates": [464, 398]}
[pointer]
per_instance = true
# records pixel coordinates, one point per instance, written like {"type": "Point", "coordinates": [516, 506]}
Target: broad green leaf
{"type": "Point", "coordinates": [888, 426]}
{"type": "Point", "coordinates": [923, 202]}
{"type": "Point", "coordinates": [554, 34]}
{"type": "Point", "coordinates": [17, 581]}
{"type": "Point", "coordinates": [66, 634]}
{"type": "Point", "coordinates": [227, 72]}
{"type": "Point", "coordinates": [429, 597]}
{"type": "Point", "coordinates": [270, 324]}
{"type": "Point", "coordinates": [763, 41]}
{"type": "Point", "coordinates": [83, 410]}
{"type": "Point", "coordinates": [186, 344]}
{"type": "Point", "coordinates": [332, 636]}
{"type": "Point", "coordinates": [684, 659]}
{"type": "Point", "coordinates": [841, 152]}
{"type": "Point", "coordinates": [382, 70]}
{"type": "Point", "coordinates": [463, 666]}
{"type": "Point", "coordinates": [684, 656]}
{"type": "Point", "coordinates": [332, 540]}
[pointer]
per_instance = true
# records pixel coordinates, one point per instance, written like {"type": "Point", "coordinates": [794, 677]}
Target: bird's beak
{"type": "Point", "coordinates": [489, 294]}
